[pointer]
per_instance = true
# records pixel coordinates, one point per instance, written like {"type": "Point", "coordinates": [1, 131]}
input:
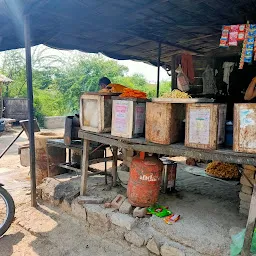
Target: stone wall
{"type": "Point", "coordinates": [54, 122]}
{"type": "Point", "coordinates": [246, 188]}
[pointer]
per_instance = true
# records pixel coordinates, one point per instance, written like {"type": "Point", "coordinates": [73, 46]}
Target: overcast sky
{"type": "Point", "coordinates": [149, 71]}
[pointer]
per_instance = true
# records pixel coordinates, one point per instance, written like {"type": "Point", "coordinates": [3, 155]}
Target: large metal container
{"type": "Point", "coordinates": [55, 156]}
{"type": "Point", "coordinates": [168, 175]}
{"type": "Point", "coordinates": [144, 181]}
{"type": "Point", "coordinates": [16, 108]}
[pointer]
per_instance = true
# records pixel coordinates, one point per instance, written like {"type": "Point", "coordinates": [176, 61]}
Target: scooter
{"type": "Point", "coordinates": [7, 210]}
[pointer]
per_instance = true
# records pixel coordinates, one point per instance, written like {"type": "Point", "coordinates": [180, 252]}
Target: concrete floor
{"type": "Point", "coordinates": [208, 209]}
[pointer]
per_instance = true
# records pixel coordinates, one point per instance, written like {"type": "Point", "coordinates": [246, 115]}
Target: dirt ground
{"type": "Point", "coordinates": [44, 231]}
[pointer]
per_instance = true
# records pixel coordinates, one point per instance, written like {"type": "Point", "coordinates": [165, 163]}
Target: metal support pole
{"type": "Point", "coordinates": [174, 77]}
{"type": "Point", "coordinates": [30, 111]}
{"type": "Point", "coordinates": [158, 69]}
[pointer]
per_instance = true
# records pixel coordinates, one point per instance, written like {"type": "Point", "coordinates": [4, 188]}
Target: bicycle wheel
{"type": "Point", "coordinates": [7, 210]}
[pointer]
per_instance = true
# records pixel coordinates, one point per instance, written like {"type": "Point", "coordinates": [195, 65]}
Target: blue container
{"type": "Point", "coordinates": [1, 126]}
{"type": "Point", "coordinates": [229, 135]}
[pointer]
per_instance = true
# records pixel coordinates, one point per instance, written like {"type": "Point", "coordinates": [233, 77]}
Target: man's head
{"type": "Point", "coordinates": [103, 82]}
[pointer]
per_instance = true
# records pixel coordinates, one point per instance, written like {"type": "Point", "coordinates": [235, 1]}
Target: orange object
{"type": "Point", "coordinates": [131, 93]}
{"type": "Point", "coordinates": [144, 181]}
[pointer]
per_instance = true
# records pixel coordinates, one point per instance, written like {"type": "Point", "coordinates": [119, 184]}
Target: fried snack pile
{"type": "Point", "coordinates": [113, 88]}
{"type": "Point", "coordinates": [223, 170]}
{"type": "Point", "coordinates": [177, 94]}
{"type": "Point", "coordinates": [130, 93]}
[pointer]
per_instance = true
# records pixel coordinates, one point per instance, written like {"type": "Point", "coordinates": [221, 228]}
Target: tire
{"type": "Point", "coordinates": [11, 208]}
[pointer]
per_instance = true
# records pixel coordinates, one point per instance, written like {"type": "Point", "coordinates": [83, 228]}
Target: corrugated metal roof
{"type": "Point", "coordinates": [123, 29]}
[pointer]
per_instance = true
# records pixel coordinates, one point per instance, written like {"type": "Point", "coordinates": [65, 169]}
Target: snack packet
{"type": "Point", "coordinates": [171, 218]}
{"type": "Point", "coordinates": [159, 211]}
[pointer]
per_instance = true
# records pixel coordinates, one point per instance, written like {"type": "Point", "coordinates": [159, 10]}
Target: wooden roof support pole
{"type": "Point", "coordinates": [158, 69]}
{"type": "Point", "coordinates": [174, 76]}
{"type": "Point", "coordinates": [30, 110]}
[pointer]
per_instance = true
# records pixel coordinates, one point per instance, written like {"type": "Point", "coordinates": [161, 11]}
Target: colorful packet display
{"type": "Point", "coordinates": [234, 28]}
{"type": "Point", "coordinates": [232, 40]}
{"type": "Point", "coordinates": [242, 27]}
{"type": "Point", "coordinates": [224, 36]}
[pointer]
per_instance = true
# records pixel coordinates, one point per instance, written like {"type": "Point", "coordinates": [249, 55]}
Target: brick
{"type": "Point", "coordinates": [244, 205]}
{"type": "Point", "coordinates": [167, 250]}
{"type": "Point", "coordinates": [246, 190]}
{"type": "Point", "coordinates": [153, 246]}
{"type": "Point", "coordinates": [248, 173]}
{"type": "Point", "coordinates": [134, 238]}
{"type": "Point", "coordinates": [245, 182]}
{"type": "Point", "coordinates": [245, 197]}
{"type": "Point", "coordinates": [126, 207]}
{"type": "Point", "coordinates": [123, 220]}
{"type": "Point", "coordinates": [117, 202]}
{"type": "Point", "coordinates": [90, 200]}
{"type": "Point", "coordinates": [249, 167]}
{"type": "Point", "coordinates": [139, 251]}
{"type": "Point", "coordinates": [140, 212]}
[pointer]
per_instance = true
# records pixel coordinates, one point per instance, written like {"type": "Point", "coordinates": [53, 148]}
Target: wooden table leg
{"type": "Point", "coordinates": [114, 166]}
{"type": "Point", "coordinates": [84, 167]}
{"type": "Point", "coordinates": [250, 225]}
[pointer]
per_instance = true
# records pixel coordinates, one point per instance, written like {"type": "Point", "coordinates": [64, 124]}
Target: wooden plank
{"type": "Point", "coordinates": [84, 167]}
{"type": "Point", "coordinates": [178, 149]}
{"type": "Point", "coordinates": [114, 166]}
{"type": "Point", "coordinates": [250, 225]}
{"type": "Point", "coordinates": [191, 100]}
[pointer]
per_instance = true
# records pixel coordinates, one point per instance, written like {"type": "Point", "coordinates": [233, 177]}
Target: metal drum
{"type": "Point", "coordinates": [144, 181]}
{"type": "Point", "coordinates": [168, 175]}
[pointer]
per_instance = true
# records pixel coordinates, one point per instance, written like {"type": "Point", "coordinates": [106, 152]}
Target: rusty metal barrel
{"type": "Point", "coordinates": [55, 156]}
{"type": "Point", "coordinates": [144, 181]}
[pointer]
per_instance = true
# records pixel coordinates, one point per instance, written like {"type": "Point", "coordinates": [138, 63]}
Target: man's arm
{"type": "Point", "coordinates": [251, 92]}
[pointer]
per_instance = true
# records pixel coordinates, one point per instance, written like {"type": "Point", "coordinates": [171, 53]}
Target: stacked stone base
{"type": "Point", "coordinates": [245, 194]}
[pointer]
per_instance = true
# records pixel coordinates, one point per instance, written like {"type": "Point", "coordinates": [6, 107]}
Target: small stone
{"type": "Point", "coordinates": [245, 197]}
{"type": "Point", "coordinates": [107, 205]}
{"type": "Point", "coordinates": [134, 238]}
{"type": "Point", "coordinates": [248, 173]}
{"type": "Point", "coordinates": [247, 190]}
{"type": "Point", "coordinates": [117, 202]}
{"type": "Point", "coordinates": [167, 250]}
{"type": "Point", "coordinates": [78, 210]}
{"type": "Point", "coordinates": [126, 207]}
{"type": "Point", "coordinates": [244, 211]}
{"type": "Point", "coordinates": [140, 212]}
{"type": "Point", "coordinates": [249, 167]}
{"type": "Point", "coordinates": [90, 200]}
{"type": "Point", "coordinates": [123, 220]}
{"type": "Point", "coordinates": [245, 205]}
{"type": "Point", "coordinates": [139, 251]}
{"type": "Point", "coordinates": [153, 246]}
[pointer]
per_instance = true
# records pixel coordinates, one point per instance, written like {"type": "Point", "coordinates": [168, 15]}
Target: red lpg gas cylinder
{"type": "Point", "coordinates": [144, 182]}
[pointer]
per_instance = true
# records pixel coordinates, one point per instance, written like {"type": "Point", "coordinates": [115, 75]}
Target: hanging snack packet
{"type": "Point", "coordinates": [224, 36]}
{"type": "Point", "coordinates": [232, 40]}
{"type": "Point", "coordinates": [240, 36]}
{"type": "Point", "coordinates": [234, 28]}
{"type": "Point", "coordinates": [242, 27]}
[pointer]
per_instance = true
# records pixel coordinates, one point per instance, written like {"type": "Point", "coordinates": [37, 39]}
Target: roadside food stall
{"type": "Point", "coordinates": [152, 32]}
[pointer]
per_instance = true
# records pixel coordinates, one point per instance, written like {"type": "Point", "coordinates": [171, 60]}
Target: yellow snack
{"type": "Point", "coordinates": [223, 170]}
{"type": "Point", "coordinates": [177, 94]}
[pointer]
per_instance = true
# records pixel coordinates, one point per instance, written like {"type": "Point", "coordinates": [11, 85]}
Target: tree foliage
{"type": "Point", "coordinates": [59, 81]}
